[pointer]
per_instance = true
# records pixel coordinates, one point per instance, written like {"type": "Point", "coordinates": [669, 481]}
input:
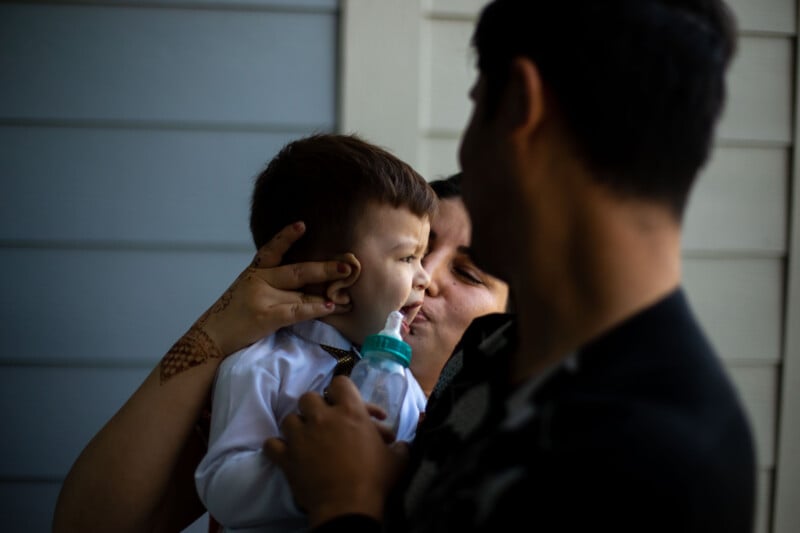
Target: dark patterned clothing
{"type": "Point", "coordinates": [639, 431]}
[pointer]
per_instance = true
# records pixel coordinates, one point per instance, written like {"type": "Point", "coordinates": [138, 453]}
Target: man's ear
{"type": "Point", "coordinates": [339, 291]}
{"type": "Point", "coordinates": [523, 106]}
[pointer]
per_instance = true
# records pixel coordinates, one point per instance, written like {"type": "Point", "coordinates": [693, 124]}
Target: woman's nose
{"type": "Point", "coordinates": [431, 263]}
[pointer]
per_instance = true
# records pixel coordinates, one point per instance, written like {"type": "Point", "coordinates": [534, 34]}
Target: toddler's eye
{"type": "Point", "coordinates": [409, 259]}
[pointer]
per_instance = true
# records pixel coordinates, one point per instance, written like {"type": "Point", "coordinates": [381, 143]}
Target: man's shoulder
{"type": "Point", "coordinates": [482, 330]}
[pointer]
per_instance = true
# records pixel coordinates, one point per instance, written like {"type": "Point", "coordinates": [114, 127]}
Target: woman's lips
{"type": "Point", "coordinates": [421, 316]}
{"type": "Point", "coordinates": [411, 311]}
{"type": "Point", "coordinates": [419, 321]}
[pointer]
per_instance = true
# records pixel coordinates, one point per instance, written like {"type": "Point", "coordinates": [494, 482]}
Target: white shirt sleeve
{"type": "Point", "coordinates": [239, 486]}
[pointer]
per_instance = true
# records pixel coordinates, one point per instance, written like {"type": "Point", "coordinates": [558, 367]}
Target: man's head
{"type": "Point", "coordinates": [361, 204]}
{"type": "Point", "coordinates": [639, 84]}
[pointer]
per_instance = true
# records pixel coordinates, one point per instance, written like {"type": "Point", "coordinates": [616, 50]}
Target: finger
{"type": "Point", "coordinates": [270, 254]}
{"type": "Point", "coordinates": [310, 404]}
{"type": "Point", "coordinates": [291, 424]}
{"type": "Point", "coordinates": [342, 391]}
{"type": "Point", "coordinates": [401, 449]}
{"type": "Point", "coordinates": [402, 453]}
{"type": "Point", "coordinates": [387, 435]}
{"type": "Point", "coordinates": [376, 412]}
{"type": "Point", "coordinates": [299, 275]}
{"type": "Point", "coordinates": [275, 449]}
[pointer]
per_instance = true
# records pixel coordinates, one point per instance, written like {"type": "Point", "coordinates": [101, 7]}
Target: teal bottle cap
{"type": "Point", "coordinates": [398, 349]}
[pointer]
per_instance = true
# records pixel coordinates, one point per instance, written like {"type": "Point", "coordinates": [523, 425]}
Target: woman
{"type": "Point", "coordinates": [459, 291]}
{"type": "Point", "coordinates": [137, 472]}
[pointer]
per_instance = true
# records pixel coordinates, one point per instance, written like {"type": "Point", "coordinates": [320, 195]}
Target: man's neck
{"type": "Point", "coordinates": [614, 259]}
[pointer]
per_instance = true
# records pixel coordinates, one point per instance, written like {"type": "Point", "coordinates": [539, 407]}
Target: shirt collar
{"type": "Point", "coordinates": [315, 331]}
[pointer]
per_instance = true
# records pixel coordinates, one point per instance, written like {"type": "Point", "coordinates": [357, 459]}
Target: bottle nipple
{"type": "Point", "coordinates": [393, 324]}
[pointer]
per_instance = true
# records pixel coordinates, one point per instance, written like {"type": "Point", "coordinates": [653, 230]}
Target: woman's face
{"type": "Point", "coordinates": [458, 293]}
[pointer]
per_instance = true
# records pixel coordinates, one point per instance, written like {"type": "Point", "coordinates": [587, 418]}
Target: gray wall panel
{"type": "Point", "coordinates": [130, 133]}
{"type": "Point", "coordinates": [291, 5]}
{"type": "Point", "coordinates": [54, 412]}
{"type": "Point", "coordinates": [28, 507]}
{"type": "Point", "coordinates": [150, 64]}
{"type": "Point", "coordinates": [130, 185]}
{"type": "Point", "coordinates": [105, 307]}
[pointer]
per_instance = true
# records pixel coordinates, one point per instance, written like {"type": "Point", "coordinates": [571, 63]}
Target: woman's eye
{"type": "Point", "coordinates": [468, 276]}
{"type": "Point", "coordinates": [409, 258]}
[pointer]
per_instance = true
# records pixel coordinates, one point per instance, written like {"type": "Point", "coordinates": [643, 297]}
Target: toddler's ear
{"type": "Point", "coordinates": [339, 291]}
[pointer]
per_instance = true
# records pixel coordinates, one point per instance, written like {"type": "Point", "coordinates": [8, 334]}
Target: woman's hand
{"type": "Point", "coordinates": [262, 299]}
{"type": "Point", "coordinates": [266, 297]}
{"type": "Point", "coordinates": [335, 456]}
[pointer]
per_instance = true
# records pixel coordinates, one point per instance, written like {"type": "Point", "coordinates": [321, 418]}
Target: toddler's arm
{"type": "Point", "coordinates": [238, 484]}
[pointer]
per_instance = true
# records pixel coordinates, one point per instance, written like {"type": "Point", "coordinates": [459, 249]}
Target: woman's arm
{"type": "Point", "coordinates": [128, 478]}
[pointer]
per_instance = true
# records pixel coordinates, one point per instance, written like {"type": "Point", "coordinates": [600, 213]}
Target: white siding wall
{"type": "Point", "coordinates": [129, 136]}
{"type": "Point", "coordinates": [411, 62]}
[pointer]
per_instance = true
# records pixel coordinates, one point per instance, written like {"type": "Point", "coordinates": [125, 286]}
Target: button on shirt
{"type": "Point", "coordinates": [254, 391]}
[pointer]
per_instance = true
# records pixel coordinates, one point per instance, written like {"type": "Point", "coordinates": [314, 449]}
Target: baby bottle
{"type": "Point", "coordinates": [380, 374]}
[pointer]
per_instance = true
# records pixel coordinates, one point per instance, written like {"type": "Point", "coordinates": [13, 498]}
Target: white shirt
{"type": "Point", "coordinates": [254, 391]}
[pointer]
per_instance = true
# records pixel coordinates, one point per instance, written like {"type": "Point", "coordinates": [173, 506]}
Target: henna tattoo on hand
{"type": "Point", "coordinates": [191, 350]}
{"type": "Point", "coordinates": [223, 302]}
{"type": "Point", "coordinates": [219, 306]}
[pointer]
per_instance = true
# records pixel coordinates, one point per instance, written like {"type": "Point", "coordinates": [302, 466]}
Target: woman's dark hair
{"type": "Point", "coordinates": [447, 187]}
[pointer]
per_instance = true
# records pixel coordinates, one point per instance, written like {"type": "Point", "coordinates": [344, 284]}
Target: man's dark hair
{"type": "Point", "coordinates": [326, 181]}
{"type": "Point", "coordinates": [640, 84]}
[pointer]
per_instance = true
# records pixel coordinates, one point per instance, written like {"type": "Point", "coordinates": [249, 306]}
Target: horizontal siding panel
{"type": "Point", "coordinates": [739, 202]}
{"type": "Point", "coordinates": [121, 63]}
{"type": "Point", "coordinates": [737, 206]}
{"type": "Point", "coordinates": [455, 7]}
{"type": "Point", "coordinates": [289, 5]}
{"type": "Point", "coordinates": [756, 111]}
{"type": "Point", "coordinates": [130, 185]}
{"type": "Point", "coordinates": [751, 15]}
{"type": "Point", "coordinates": [758, 389]}
{"type": "Point", "coordinates": [283, 5]}
{"type": "Point", "coordinates": [739, 302]}
{"type": "Point", "coordinates": [105, 307]}
{"type": "Point", "coordinates": [28, 506]}
{"type": "Point", "coordinates": [760, 98]}
{"type": "Point", "coordinates": [54, 413]}
{"type": "Point", "coordinates": [765, 15]}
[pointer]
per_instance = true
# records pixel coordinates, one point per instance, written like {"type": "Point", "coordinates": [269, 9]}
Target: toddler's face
{"type": "Point", "coordinates": [390, 243]}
